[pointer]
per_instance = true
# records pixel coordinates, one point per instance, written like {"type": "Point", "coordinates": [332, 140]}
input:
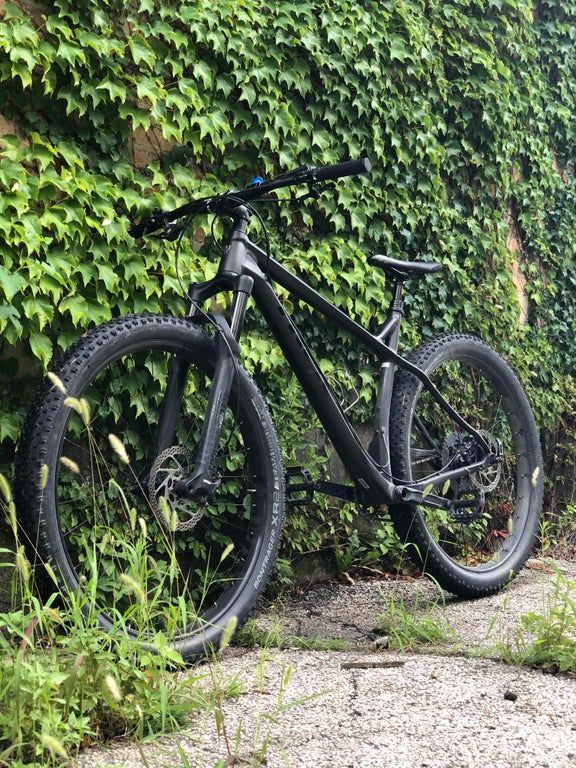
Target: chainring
{"type": "Point", "coordinates": [179, 513]}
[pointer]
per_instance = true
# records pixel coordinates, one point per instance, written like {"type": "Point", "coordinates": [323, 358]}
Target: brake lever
{"type": "Point", "coordinates": [171, 232]}
{"type": "Point", "coordinates": [148, 225]}
{"type": "Point", "coordinates": [313, 192]}
{"type": "Point", "coordinates": [302, 170]}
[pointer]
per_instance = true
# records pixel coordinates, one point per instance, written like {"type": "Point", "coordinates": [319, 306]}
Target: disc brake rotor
{"type": "Point", "coordinates": [177, 513]}
{"type": "Point", "coordinates": [456, 443]}
{"type": "Point", "coordinates": [488, 478]}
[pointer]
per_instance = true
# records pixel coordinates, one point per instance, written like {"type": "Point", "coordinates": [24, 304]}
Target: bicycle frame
{"type": "Point", "coordinates": [244, 269]}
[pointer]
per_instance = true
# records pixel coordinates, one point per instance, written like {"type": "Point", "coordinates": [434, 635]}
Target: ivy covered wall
{"type": "Point", "coordinates": [466, 109]}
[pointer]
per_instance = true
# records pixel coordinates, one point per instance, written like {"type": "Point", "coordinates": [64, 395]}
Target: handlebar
{"type": "Point", "coordinates": [225, 202]}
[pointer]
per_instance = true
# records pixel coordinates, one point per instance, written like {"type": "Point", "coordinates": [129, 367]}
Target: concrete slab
{"type": "Point", "coordinates": [361, 709]}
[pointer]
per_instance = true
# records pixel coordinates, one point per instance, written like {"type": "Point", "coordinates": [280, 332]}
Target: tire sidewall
{"type": "Point", "coordinates": [76, 370]}
{"type": "Point", "coordinates": [411, 522]}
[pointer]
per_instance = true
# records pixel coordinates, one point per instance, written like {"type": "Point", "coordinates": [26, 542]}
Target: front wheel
{"type": "Point", "coordinates": [113, 527]}
{"type": "Point", "coordinates": [486, 531]}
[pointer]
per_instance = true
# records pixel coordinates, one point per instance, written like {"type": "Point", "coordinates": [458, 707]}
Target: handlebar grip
{"type": "Point", "coordinates": [349, 168]}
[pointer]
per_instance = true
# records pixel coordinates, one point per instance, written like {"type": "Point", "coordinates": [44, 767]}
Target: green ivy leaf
{"type": "Point", "coordinates": [10, 426]}
{"type": "Point", "coordinates": [10, 325]}
{"type": "Point", "coordinates": [40, 309]}
{"type": "Point", "coordinates": [116, 91]}
{"type": "Point", "coordinates": [41, 347]}
{"type": "Point", "coordinates": [142, 53]}
{"type": "Point", "coordinates": [76, 306]}
{"type": "Point", "coordinates": [11, 283]}
{"type": "Point", "coordinates": [19, 53]}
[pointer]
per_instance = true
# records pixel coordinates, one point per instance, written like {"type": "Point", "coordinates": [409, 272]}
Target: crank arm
{"type": "Point", "coordinates": [346, 492]}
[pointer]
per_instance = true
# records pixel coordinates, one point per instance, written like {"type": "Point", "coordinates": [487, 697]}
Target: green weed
{"type": "Point", "coordinates": [547, 639]}
{"type": "Point", "coordinates": [65, 684]}
{"type": "Point", "coordinates": [412, 627]}
{"type": "Point", "coordinates": [274, 635]}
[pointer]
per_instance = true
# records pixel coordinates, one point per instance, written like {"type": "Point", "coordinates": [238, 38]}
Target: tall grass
{"type": "Point", "coordinates": [65, 684]}
{"type": "Point", "coordinates": [415, 626]}
{"type": "Point", "coordinates": [547, 639]}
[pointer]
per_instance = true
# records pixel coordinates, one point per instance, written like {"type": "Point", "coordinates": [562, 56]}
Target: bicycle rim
{"type": "Point", "coordinates": [486, 514]}
{"type": "Point", "coordinates": [143, 556]}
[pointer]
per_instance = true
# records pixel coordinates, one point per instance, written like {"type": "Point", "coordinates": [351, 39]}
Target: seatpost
{"type": "Point", "coordinates": [396, 313]}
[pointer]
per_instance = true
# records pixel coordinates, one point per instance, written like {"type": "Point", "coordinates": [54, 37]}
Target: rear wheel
{"type": "Point", "coordinates": [488, 527]}
{"type": "Point", "coordinates": [119, 533]}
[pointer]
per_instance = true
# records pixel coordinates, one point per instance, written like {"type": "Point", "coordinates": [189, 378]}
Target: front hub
{"type": "Point", "coordinates": [173, 510]}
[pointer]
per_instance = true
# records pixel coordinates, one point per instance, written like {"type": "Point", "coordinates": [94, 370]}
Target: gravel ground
{"type": "Point", "coordinates": [352, 611]}
{"type": "Point", "coordinates": [366, 709]}
{"type": "Point", "coordinates": [430, 712]}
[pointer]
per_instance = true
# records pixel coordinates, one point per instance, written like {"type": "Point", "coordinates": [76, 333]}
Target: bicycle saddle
{"type": "Point", "coordinates": [402, 270]}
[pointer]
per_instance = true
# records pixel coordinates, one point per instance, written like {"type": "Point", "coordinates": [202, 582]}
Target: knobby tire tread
{"type": "Point", "coordinates": [31, 452]}
{"type": "Point", "coordinates": [407, 519]}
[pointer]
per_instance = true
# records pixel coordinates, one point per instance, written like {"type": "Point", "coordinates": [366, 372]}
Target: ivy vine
{"type": "Point", "coordinates": [466, 110]}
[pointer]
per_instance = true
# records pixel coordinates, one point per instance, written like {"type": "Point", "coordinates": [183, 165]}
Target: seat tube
{"type": "Point", "coordinates": [379, 447]}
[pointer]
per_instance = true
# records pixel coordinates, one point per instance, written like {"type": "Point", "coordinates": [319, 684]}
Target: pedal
{"type": "Point", "coordinates": [299, 494]}
{"type": "Point", "coordinates": [468, 510]}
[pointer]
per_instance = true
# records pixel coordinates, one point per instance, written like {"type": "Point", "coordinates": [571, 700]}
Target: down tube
{"type": "Point", "coordinates": [359, 464]}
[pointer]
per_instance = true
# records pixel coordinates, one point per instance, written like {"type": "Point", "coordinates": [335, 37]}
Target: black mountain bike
{"type": "Point", "coordinates": [189, 522]}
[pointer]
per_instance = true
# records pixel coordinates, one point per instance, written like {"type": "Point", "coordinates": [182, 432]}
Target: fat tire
{"type": "Point", "coordinates": [409, 520]}
{"type": "Point", "coordinates": [44, 431]}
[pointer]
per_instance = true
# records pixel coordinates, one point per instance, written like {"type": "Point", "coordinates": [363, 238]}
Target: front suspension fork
{"type": "Point", "coordinates": [203, 480]}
